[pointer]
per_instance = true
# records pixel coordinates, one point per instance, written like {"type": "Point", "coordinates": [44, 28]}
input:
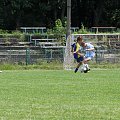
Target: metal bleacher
{"type": "Point", "coordinates": [52, 46]}
{"type": "Point", "coordinates": [33, 29]}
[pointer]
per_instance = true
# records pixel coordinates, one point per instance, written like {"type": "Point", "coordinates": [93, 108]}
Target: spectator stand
{"type": "Point", "coordinates": [8, 41]}
{"type": "Point", "coordinates": [103, 29]}
{"type": "Point", "coordinates": [74, 29]}
{"type": "Point", "coordinates": [52, 46]}
{"type": "Point", "coordinates": [48, 39]}
{"type": "Point", "coordinates": [13, 42]}
{"type": "Point", "coordinates": [41, 30]}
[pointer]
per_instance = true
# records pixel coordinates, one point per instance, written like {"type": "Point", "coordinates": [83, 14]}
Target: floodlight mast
{"type": "Point", "coordinates": [68, 18]}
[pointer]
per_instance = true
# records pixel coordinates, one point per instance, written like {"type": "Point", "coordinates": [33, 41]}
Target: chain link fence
{"type": "Point", "coordinates": [29, 55]}
{"type": "Point", "coordinates": [107, 48]}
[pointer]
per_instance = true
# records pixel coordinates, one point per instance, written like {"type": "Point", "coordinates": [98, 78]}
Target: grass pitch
{"type": "Point", "coordinates": [60, 95]}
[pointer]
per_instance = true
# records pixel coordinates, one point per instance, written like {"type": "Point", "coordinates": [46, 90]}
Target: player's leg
{"type": "Point", "coordinates": [78, 65]}
{"type": "Point", "coordinates": [80, 61]}
{"type": "Point", "coordinates": [85, 62]}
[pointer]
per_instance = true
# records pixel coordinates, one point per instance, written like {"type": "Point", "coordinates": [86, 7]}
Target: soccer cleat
{"type": "Point", "coordinates": [87, 67]}
{"type": "Point", "coordinates": [85, 71]}
{"type": "Point", "coordinates": [76, 70]}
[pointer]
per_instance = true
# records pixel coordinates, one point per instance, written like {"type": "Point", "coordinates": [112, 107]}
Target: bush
{"type": "Point", "coordinates": [15, 34]}
{"type": "Point", "coordinates": [58, 29]}
{"type": "Point", "coordinates": [83, 30]}
{"type": "Point", "coordinates": [3, 31]}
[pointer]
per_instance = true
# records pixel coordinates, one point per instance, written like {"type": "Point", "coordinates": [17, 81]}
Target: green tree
{"type": "Point", "coordinates": [112, 11]}
{"type": "Point", "coordinates": [16, 13]}
{"type": "Point", "coordinates": [1, 14]}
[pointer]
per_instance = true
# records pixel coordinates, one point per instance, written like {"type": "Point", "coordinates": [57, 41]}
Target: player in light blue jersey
{"type": "Point", "coordinates": [89, 53]}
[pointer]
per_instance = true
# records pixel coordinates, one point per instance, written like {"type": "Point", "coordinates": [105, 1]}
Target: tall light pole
{"type": "Point", "coordinates": [68, 17]}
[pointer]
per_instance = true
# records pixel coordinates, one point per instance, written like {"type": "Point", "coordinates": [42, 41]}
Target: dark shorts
{"type": "Point", "coordinates": [80, 59]}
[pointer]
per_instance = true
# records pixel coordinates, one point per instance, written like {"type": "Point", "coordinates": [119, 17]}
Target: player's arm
{"type": "Point", "coordinates": [91, 48]}
{"type": "Point", "coordinates": [79, 53]}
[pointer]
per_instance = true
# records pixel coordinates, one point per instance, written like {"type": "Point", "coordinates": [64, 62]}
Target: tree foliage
{"type": "Point", "coordinates": [16, 13]}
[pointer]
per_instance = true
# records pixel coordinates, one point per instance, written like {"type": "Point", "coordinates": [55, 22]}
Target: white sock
{"type": "Point", "coordinates": [86, 65]}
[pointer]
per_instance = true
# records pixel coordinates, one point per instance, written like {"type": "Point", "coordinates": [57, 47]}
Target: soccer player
{"type": "Point", "coordinates": [76, 52]}
{"type": "Point", "coordinates": [89, 53]}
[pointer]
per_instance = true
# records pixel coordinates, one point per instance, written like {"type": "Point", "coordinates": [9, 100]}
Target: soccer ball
{"type": "Point", "coordinates": [85, 71]}
{"type": "Point", "coordinates": [85, 68]}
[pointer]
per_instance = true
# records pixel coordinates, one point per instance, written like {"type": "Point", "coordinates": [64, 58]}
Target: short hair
{"type": "Point", "coordinates": [79, 38]}
{"type": "Point", "coordinates": [82, 43]}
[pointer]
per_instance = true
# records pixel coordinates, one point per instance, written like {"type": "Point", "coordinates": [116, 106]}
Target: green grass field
{"type": "Point", "coordinates": [60, 95]}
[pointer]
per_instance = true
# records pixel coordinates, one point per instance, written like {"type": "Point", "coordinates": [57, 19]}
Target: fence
{"type": "Point", "coordinates": [107, 48]}
{"type": "Point", "coordinates": [29, 55]}
{"type": "Point", "coordinates": [33, 29]}
{"type": "Point", "coordinates": [103, 29]}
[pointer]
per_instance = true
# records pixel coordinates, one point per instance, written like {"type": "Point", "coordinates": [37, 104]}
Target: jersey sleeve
{"type": "Point", "coordinates": [90, 46]}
